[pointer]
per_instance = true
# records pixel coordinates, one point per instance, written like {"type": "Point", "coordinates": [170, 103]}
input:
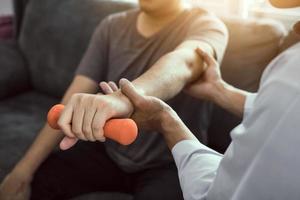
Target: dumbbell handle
{"type": "Point", "coordinates": [123, 131]}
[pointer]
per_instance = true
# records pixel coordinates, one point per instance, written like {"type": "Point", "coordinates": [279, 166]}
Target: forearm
{"type": "Point", "coordinates": [196, 163]}
{"type": "Point", "coordinates": [48, 138]}
{"type": "Point", "coordinates": [42, 146]}
{"type": "Point", "coordinates": [170, 74]}
{"type": "Point", "coordinates": [173, 129]}
{"type": "Point", "coordinates": [230, 98]}
{"type": "Point", "coordinates": [226, 96]}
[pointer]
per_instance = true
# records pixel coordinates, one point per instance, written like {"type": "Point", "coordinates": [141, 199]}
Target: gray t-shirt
{"type": "Point", "coordinates": [117, 50]}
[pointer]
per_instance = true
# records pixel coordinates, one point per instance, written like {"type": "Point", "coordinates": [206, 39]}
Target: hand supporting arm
{"type": "Point", "coordinates": [211, 87]}
{"type": "Point", "coordinates": [169, 75]}
{"type": "Point", "coordinates": [196, 163]}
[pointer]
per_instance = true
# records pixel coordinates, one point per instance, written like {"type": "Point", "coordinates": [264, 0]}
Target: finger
{"type": "Point", "coordinates": [199, 51]}
{"type": "Point", "coordinates": [65, 120]}
{"type": "Point", "coordinates": [113, 86]}
{"type": "Point", "coordinates": [105, 87]}
{"type": "Point", "coordinates": [67, 143]}
{"type": "Point", "coordinates": [131, 92]}
{"type": "Point", "coordinates": [77, 122]}
{"type": "Point", "coordinates": [207, 57]}
{"type": "Point", "coordinates": [87, 124]}
{"type": "Point", "coordinates": [98, 124]}
{"type": "Point", "coordinates": [210, 60]}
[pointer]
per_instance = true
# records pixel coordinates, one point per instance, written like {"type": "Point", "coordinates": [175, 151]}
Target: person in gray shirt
{"type": "Point", "coordinates": [262, 161]}
{"type": "Point", "coordinates": [154, 46]}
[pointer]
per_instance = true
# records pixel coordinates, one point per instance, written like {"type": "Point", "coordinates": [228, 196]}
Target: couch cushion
{"type": "Point", "coordinates": [14, 76]}
{"type": "Point", "coordinates": [54, 36]}
{"type": "Point", "coordinates": [252, 45]}
{"type": "Point", "coordinates": [21, 118]}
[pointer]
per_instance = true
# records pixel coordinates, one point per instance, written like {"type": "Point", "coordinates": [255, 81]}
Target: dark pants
{"type": "Point", "coordinates": [86, 168]}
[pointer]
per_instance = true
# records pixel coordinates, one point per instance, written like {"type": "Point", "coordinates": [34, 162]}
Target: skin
{"type": "Point", "coordinates": [154, 114]}
{"type": "Point", "coordinates": [211, 87]}
{"type": "Point", "coordinates": [86, 112]}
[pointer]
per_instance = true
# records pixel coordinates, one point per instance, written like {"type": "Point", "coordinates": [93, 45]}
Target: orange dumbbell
{"type": "Point", "coordinates": [123, 131]}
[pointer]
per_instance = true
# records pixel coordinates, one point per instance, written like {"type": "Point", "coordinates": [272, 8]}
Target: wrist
{"type": "Point", "coordinates": [21, 169]}
{"type": "Point", "coordinates": [169, 121]}
{"type": "Point", "coordinates": [173, 129]}
{"type": "Point", "coordinates": [230, 98]}
{"type": "Point", "coordinates": [127, 107]}
{"type": "Point", "coordinates": [221, 88]}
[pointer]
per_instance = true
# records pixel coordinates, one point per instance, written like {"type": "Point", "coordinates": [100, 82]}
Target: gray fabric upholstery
{"type": "Point", "coordinates": [55, 35]}
{"type": "Point", "coordinates": [14, 76]}
{"type": "Point", "coordinates": [19, 10]}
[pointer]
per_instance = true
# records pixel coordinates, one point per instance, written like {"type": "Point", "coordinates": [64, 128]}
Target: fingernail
{"type": "Point", "coordinates": [122, 81]}
{"type": "Point", "coordinates": [101, 82]}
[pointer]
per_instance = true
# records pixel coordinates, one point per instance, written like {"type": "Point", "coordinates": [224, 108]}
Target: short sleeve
{"type": "Point", "coordinates": [94, 61]}
{"type": "Point", "coordinates": [208, 28]}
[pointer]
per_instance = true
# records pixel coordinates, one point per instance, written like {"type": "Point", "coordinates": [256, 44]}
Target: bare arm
{"type": "Point", "coordinates": [166, 78]}
{"type": "Point", "coordinates": [212, 87]}
{"type": "Point", "coordinates": [172, 72]}
{"type": "Point", "coordinates": [230, 98]}
{"type": "Point", "coordinates": [173, 129]}
{"type": "Point", "coordinates": [49, 138]}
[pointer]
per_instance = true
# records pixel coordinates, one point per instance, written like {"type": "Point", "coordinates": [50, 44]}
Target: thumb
{"type": "Point", "coordinates": [130, 91]}
{"type": "Point", "coordinates": [67, 143]}
{"type": "Point", "coordinates": [210, 61]}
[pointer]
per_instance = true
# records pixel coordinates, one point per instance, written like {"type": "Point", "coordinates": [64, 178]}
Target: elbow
{"type": "Point", "coordinates": [188, 62]}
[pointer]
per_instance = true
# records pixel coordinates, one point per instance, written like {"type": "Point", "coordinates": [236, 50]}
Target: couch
{"type": "Point", "coordinates": [50, 39]}
{"type": "Point", "coordinates": [6, 31]}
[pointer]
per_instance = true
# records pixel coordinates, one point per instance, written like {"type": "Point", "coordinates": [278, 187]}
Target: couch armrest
{"type": "Point", "coordinates": [14, 76]}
